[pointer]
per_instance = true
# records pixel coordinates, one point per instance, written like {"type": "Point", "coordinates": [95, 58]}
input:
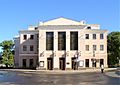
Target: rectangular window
{"type": "Point", "coordinates": [31, 37]}
{"type": "Point", "coordinates": [24, 37]}
{"type": "Point", "coordinates": [94, 47]}
{"type": "Point", "coordinates": [87, 47]}
{"type": "Point", "coordinates": [49, 40]}
{"type": "Point", "coordinates": [94, 36]}
{"type": "Point", "coordinates": [73, 40]}
{"type": "Point", "coordinates": [101, 47]}
{"type": "Point", "coordinates": [86, 36]}
{"type": "Point", "coordinates": [31, 48]}
{"type": "Point", "coordinates": [24, 48]}
{"type": "Point", "coordinates": [101, 36]}
{"type": "Point", "coordinates": [61, 40]}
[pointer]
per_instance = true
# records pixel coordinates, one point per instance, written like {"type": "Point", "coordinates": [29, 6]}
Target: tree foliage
{"type": "Point", "coordinates": [7, 53]}
{"type": "Point", "coordinates": [113, 48]}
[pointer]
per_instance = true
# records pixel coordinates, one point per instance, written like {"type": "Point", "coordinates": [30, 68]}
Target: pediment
{"type": "Point", "coordinates": [61, 21]}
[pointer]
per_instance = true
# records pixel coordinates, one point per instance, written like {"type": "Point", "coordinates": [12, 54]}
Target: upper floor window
{"type": "Point", "coordinates": [86, 36]}
{"type": "Point", "coordinates": [31, 48]}
{"type": "Point", "coordinates": [49, 40]}
{"type": "Point", "coordinates": [36, 28]}
{"type": "Point", "coordinates": [94, 47]}
{"type": "Point", "coordinates": [101, 36]}
{"type": "Point", "coordinates": [31, 37]}
{"type": "Point", "coordinates": [24, 48]}
{"type": "Point", "coordinates": [94, 36]}
{"type": "Point", "coordinates": [61, 40]}
{"type": "Point", "coordinates": [101, 47]}
{"type": "Point", "coordinates": [73, 40]}
{"type": "Point", "coordinates": [88, 27]}
{"type": "Point", "coordinates": [87, 47]}
{"type": "Point", "coordinates": [24, 37]}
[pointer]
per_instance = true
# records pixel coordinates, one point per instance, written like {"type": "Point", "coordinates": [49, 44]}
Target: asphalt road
{"type": "Point", "coordinates": [39, 78]}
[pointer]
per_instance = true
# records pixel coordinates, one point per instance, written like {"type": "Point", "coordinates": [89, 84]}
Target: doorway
{"type": "Point", "coordinates": [62, 63]}
{"type": "Point", "coordinates": [74, 64]}
{"type": "Point", "coordinates": [50, 63]}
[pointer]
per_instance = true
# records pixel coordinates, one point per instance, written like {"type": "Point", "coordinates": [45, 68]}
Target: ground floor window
{"type": "Point", "coordinates": [24, 62]}
{"type": "Point", "coordinates": [86, 62]}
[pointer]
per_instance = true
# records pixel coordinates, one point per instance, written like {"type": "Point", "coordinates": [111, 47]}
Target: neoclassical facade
{"type": "Point", "coordinates": [61, 44]}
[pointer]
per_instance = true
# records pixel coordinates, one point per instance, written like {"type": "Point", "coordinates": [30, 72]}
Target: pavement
{"type": "Point", "coordinates": [108, 71]}
{"type": "Point", "coordinates": [58, 77]}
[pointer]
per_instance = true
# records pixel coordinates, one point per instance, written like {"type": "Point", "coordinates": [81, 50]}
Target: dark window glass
{"type": "Point", "coordinates": [94, 47]}
{"type": "Point", "coordinates": [24, 48]}
{"type": "Point", "coordinates": [31, 48]}
{"type": "Point", "coordinates": [31, 36]}
{"type": "Point", "coordinates": [61, 41]}
{"type": "Point", "coordinates": [94, 36]}
{"type": "Point", "coordinates": [101, 47]}
{"type": "Point", "coordinates": [73, 40]}
{"type": "Point", "coordinates": [87, 47]}
{"type": "Point", "coordinates": [49, 40]}
{"type": "Point", "coordinates": [86, 36]}
{"type": "Point", "coordinates": [89, 27]}
{"type": "Point", "coordinates": [24, 37]}
{"type": "Point", "coordinates": [101, 36]}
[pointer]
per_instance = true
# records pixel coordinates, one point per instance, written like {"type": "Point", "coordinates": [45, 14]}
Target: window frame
{"type": "Point", "coordinates": [31, 37]}
{"type": "Point", "coordinates": [101, 36]}
{"type": "Point", "coordinates": [32, 47]}
{"type": "Point", "coordinates": [87, 36]}
{"type": "Point", "coordinates": [24, 47]}
{"type": "Point", "coordinates": [24, 37]}
{"type": "Point", "coordinates": [94, 36]}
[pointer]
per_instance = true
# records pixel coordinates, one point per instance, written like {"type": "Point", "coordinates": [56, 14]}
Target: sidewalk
{"type": "Point", "coordinates": [61, 71]}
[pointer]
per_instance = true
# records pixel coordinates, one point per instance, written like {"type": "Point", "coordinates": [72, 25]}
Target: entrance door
{"type": "Point", "coordinates": [62, 63]}
{"type": "Point", "coordinates": [24, 63]}
{"type": "Point", "coordinates": [74, 64]}
{"type": "Point", "coordinates": [101, 62]}
{"type": "Point", "coordinates": [50, 63]}
{"type": "Point", "coordinates": [86, 62]}
{"type": "Point", "coordinates": [31, 63]}
{"type": "Point", "coordinates": [93, 64]}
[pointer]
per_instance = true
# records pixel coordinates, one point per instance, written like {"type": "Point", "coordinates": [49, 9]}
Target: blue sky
{"type": "Point", "coordinates": [16, 15]}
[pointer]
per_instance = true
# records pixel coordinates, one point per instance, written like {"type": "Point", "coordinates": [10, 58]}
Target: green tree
{"type": "Point", "coordinates": [7, 53]}
{"type": "Point", "coordinates": [113, 44]}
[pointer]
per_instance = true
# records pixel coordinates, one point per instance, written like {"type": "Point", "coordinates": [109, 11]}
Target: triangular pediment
{"type": "Point", "coordinates": [61, 21]}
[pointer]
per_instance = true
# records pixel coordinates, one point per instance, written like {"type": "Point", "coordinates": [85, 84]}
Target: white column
{"type": "Point", "coordinates": [56, 57]}
{"type": "Point", "coordinates": [68, 57]}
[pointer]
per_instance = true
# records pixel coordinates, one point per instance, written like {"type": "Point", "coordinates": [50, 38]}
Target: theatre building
{"type": "Point", "coordinates": [61, 44]}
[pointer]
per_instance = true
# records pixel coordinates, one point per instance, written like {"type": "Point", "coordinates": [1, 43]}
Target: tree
{"type": "Point", "coordinates": [7, 53]}
{"type": "Point", "coordinates": [113, 44]}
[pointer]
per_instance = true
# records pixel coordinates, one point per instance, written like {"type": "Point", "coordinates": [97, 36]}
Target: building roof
{"type": "Point", "coordinates": [62, 21]}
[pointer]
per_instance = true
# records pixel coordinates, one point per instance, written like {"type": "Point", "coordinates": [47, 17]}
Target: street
{"type": "Point", "coordinates": [42, 78]}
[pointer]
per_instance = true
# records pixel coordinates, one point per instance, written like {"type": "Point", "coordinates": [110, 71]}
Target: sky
{"type": "Point", "coordinates": [16, 15]}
